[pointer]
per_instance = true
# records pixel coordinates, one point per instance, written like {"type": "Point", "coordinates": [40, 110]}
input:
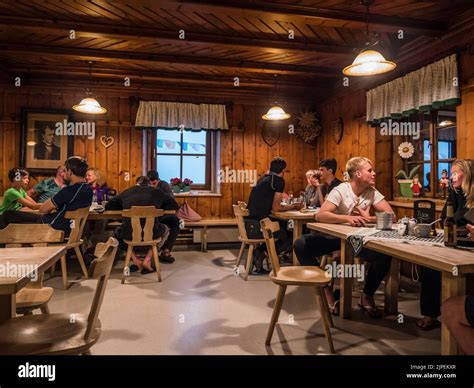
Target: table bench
{"type": "Point", "coordinates": [205, 224]}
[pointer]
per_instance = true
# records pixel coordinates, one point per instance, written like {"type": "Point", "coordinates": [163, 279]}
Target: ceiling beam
{"type": "Point", "coordinates": [138, 57]}
{"type": "Point", "coordinates": [303, 14]}
{"type": "Point", "coordinates": [105, 31]}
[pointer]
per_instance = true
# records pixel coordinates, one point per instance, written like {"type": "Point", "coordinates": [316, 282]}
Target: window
{"type": "Point", "coordinates": [435, 150]}
{"type": "Point", "coordinates": [184, 154]}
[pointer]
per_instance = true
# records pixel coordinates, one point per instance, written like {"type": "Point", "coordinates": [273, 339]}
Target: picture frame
{"type": "Point", "coordinates": [41, 150]}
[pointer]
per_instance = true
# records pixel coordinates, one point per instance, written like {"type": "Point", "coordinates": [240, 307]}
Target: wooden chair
{"type": "Point", "coordinates": [60, 334]}
{"type": "Point", "coordinates": [240, 212]}
{"type": "Point", "coordinates": [78, 221]}
{"type": "Point", "coordinates": [142, 235]}
{"type": "Point", "coordinates": [34, 295]}
{"type": "Point", "coordinates": [310, 276]}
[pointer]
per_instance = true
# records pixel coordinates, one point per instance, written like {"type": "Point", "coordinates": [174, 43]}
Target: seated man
{"type": "Point", "coordinates": [457, 313]}
{"type": "Point", "coordinates": [15, 198]}
{"type": "Point", "coordinates": [155, 181]}
{"type": "Point", "coordinates": [48, 188]}
{"type": "Point", "coordinates": [264, 198]}
{"type": "Point", "coordinates": [77, 195]}
{"type": "Point", "coordinates": [328, 169]}
{"type": "Point", "coordinates": [350, 202]}
{"type": "Point", "coordinates": [144, 195]}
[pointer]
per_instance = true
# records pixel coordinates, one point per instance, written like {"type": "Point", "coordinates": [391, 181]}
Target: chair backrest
{"type": "Point", "coordinates": [268, 229]}
{"type": "Point", "coordinates": [242, 204]}
{"type": "Point", "coordinates": [29, 234]}
{"type": "Point", "coordinates": [79, 218]}
{"type": "Point", "coordinates": [135, 213]}
{"type": "Point", "coordinates": [239, 213]}
{"type": "Point", "coordinates": [100, 269]}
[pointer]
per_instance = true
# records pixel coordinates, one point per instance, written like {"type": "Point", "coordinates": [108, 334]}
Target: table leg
{"type": "Point", "coordinates": [391, 287]}
{"type": "Point", "coordinates": [297, 232]}
{"type": "Point", "coordinates": [7, 307]}
{"type": "Point", "coordinates": [204, 239]}
{"type": "Point", "coordinates": [451, 286]}
{"type": "Point", "coordinates": [347, 258]}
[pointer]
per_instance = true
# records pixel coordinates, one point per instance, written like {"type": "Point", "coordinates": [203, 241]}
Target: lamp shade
{"type": "Point", "coordinates": [89, 105]}
{"type": "Point", "coordinates": [276, 112]}
{"type": "Point", "coordinates": [369, 62]}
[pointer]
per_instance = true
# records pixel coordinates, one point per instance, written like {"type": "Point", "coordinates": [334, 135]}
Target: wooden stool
{"type": "Point", "coordinates": [309, 276]}
{"type": "Point", "coordinates": [59, 334]}
{"type": "Point", "coordinates": [142, 236]}
{"type": "Point", "coordinates": [34, 295]}
{"type": "Point", "coordinates": [240, 212]}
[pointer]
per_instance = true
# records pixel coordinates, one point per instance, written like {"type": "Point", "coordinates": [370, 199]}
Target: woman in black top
{"type": "Point", "coordinates": [461, 195]}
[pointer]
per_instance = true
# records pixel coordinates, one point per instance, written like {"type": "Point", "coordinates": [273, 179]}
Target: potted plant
{"type": "Point", "coordinates": [405, 178]}
{"type": "Point", "coordinates": [178, 185]}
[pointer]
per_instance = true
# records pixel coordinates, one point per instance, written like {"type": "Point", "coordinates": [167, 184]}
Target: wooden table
{"type": "Point", "coordinates": [299, 219]}
{"type": "Point", "coordinates": [114, 215]}
{"type": "Point", "coordinates": [453, 264]}
{"type": "Point", "coordinates": [40, 258]}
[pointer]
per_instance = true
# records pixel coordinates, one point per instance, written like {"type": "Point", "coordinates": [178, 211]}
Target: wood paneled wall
{"type": "Point", "coordinates": [240, 148]}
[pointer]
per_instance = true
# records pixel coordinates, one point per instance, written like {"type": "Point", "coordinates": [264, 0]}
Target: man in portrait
{"type": "Point", "coordinates": [45, 149]}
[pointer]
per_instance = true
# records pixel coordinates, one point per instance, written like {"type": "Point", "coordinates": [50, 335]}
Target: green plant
{"type": "Point", "coordinates": [403, 175]}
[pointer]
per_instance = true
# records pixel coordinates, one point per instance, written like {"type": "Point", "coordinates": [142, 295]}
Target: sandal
{"type": "Point", "coordinates": [427, 325]}
{"type": "Point", "coordinates": [334, 309]}
{"type": "Point", "coordinates": [372, 311]}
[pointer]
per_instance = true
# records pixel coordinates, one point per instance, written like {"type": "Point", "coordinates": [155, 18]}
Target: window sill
{"type": "Point", "coordinates": [408, 203]}
{"type": "Point", "coordinates": [197, 193]}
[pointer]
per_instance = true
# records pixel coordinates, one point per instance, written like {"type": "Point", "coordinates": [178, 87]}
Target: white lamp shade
{"type": "Point", "coordinates": [369, 62]}
{"type": "Point", "coordinates": [276, 113]}
{"type": "Point", "coordinates": [89, 105]}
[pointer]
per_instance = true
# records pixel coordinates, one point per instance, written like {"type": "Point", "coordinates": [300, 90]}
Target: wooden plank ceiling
{"type": "Point", "coordinates": [222, 40]}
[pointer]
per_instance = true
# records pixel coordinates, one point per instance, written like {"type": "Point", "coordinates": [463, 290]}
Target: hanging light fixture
{"type": "Point", "coordinates": [369, 62]}
{"type": "Point", "coordinates": [89, 104]}
{"type": "Point", "coordinates": [276, 112]}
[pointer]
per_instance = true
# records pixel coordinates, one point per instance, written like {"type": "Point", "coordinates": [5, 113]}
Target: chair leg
{"type": "Point", "coordinates": [127, 262]}
{"type": "Point", "coordinates": [248, 264]}
{"type": "Point", "coordinates": [324, 317]}
{"type": "Point", "coordinates": [52, 270]}
{"type": "Point", "coordinates": [276, 313]}
{"type": "Point", "coordinates": [326, 308]}
{"type": "Point", "coordinates": [157, 262]}
{"type": "Point", "coordinates": [45, 309]}
{"type": "Point", "coordinates": [241, 253]}
{"type": "Point", "coordinates": [64, 271]}
{"type": "Point", "coordinates": [81, 262]}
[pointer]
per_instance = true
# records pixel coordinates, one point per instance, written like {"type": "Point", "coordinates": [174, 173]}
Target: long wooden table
{"type": "Point", "coordinates": [38, 259]}
{"type": "Point", "coordinates": [299, 219]}
{"type": "Point", "coordinates": [113, 215]}
{"type": "Point", "coordinates": [453, 264]}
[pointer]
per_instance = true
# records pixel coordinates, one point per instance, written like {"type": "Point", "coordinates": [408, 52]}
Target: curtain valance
{"type": "Point", "coordinates": [430, 87]}
{"type": "Point", "coordinates": [176, 115]}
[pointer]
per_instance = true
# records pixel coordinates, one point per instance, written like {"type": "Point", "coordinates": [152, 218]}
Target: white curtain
{"type": "Point", "coordinates": [432, 86]}
{"type": "Point", "coordinates": [173, 115]}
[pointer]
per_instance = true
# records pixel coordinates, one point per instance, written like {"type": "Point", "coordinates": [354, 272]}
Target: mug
{"type": "Point", "coordinates": [423, 230]}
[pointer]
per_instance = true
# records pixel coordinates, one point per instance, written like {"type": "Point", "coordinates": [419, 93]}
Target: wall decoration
{"type": "Point", "coordinates": [337, 130]}
{"type": "Point", "coordinates": [107, 141]}
{"type": "Point", "coordinates": [308, 127]}
{"type": "Point", "coordinates": [271, 132]}
{"type": "Point", "coordinates": [42, 150]}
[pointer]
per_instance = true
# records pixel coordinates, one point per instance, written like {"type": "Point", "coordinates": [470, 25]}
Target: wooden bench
{"type": "Point", "coordinates": [205, 224]}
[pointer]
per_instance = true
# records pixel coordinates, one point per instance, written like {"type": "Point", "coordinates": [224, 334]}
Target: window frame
{"type": "Point", "coordinates": [433, 144]}
{"type": "Point", "coordinates": [209, 154]}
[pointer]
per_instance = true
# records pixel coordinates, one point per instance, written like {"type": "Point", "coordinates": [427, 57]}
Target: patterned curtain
{"type": "Point", "coordinates": [430, 87]}
{"type": "Point", "coordinates": [175, 115]}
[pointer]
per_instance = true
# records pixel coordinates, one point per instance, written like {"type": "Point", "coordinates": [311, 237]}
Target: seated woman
{"type": "Point", "coordinates": [97, 184]}
{"type": "Point", "coordinates": [461, 195]}
{"type": "Point", "coordinates": [312, 194]}
{"type": "Point", "coordinates": [16, 198]}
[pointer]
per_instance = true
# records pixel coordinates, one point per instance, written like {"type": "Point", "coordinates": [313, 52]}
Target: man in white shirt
{"type": "Point", "coordinates": [350, 203]}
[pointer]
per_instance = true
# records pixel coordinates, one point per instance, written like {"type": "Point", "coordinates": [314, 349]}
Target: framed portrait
{"type": "Point", "coordinates": [42, 149]}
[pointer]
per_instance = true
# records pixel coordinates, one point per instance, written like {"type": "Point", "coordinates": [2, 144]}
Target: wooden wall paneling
{"type": "Point", "coordinates": [238, 153]}
{"type": "Point", "coordinates": [261, 153]}
{"type": "Point", "coordinates": [136, 150]}
{"type": "Point", "coordinates": [226, 160]}
{"type": "Point", "coordinates": [284, 146]}
{"type": "Point", "coordinates": [249, 163]}
{"type": "Point", "coordinates": [384, 162]}
{"type": "Point", "coordinates": [465, 123]}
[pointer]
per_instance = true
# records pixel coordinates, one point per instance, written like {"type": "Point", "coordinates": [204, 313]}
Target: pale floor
{"type": "Point", "coordinates": [201, 307]}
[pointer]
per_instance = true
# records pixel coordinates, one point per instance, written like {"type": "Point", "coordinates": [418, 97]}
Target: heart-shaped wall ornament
{"type": "Point", "coordinates": [107, 141]}
{"type": "Point", "coordinates": [357, 243]}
